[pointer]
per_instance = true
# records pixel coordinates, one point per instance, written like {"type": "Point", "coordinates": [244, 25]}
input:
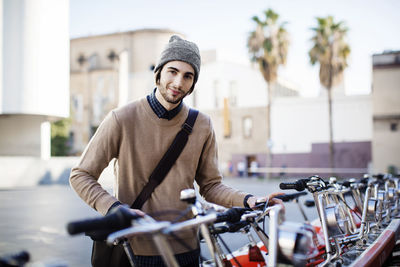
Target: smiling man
{"type": "Point", "coordinates": [137, 136]}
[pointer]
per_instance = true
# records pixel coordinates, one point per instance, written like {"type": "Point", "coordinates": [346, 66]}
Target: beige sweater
{"type": "Point", "coordinates": [137, 138]}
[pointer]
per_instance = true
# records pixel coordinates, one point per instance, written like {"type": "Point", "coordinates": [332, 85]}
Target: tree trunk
{"type": "Point", "coordinates": [268, 126]}
{"type": "Point", "coordinates": [330, 83]}
{"type": "Point", "coordinates": [331, 148]}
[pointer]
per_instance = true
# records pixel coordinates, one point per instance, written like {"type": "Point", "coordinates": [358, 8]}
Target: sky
{"type": "Point", "coordinates": [225, 25]}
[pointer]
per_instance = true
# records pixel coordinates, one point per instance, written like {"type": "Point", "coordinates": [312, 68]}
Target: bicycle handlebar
{"type": "Point", "coordinates": [118, 219]}
{"type": "Point", "coordinates": [229, 227]}
{"type": "Point", "coordinates": [289, 197]}
{"type": "Point", "coordinates": [18, 259]}
{"type": "Point", "coordinates": [299, 185]}
{"type": "Point", "coordinates": [232, 215]}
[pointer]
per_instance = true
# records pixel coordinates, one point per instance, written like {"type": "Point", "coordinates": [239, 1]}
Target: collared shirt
{"type": "Point", "coordinates": [159, 109]}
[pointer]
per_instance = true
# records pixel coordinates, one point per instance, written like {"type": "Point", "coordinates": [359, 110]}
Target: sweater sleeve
{"type": "Point", "coordinates": [209, 177]}
{"type": "Point", "coordinates": [102, 148]}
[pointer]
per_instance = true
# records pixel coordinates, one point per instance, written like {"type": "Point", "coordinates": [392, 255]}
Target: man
{"type": "Point", "coordinates": [138, 135]}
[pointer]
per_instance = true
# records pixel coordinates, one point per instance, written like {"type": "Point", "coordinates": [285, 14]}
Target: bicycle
{"type": "Point", "coordinates": [352, 217]}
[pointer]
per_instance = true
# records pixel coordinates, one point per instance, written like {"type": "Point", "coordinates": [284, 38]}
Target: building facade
{"type": "Point", "coordinates": [300, 136]}
{"type": "Point", "coordinates": [34, 70]}
{"type": "Point", "coordinates": [386, 111]}
{"type": "Point", "coordinates": [108, 71]}
{"type": "Point", "coordinates": [235, 97]}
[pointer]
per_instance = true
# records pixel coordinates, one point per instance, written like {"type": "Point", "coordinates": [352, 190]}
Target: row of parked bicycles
{"type": "Point", "coordinates": [358, 224]}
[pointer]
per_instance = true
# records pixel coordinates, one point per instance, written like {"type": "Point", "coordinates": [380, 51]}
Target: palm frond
{"type": "Point", "coordinates": [329, 49]}
{"type": "Point", "coordinates": [268, 44]}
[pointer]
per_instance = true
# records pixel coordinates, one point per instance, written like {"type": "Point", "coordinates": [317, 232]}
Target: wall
{"type": "Point", "coordinates": [22, 135]}
{"type": "Point", "coordinates": [297, 124]}
{"type": "Point", "coordinates": [32, 171]}
{"type": "Point", "coordinates": [35, 58]}
{"type": "Point", "coordinates": [34, 79]}
{"type": "Point", "coordinates": [386, 111]}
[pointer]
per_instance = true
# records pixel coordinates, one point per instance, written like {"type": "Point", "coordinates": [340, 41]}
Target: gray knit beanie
{"type": "Point", "coordinates": [181, 50]}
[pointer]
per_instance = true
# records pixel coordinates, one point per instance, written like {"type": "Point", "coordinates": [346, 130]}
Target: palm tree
{"type": "Point", "coordinates": [268, 46]}
{"type": "Point", "coordinates": [331, 51]}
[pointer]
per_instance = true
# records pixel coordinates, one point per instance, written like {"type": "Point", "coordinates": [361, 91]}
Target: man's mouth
{"type": "Point", "coordinates": [174, 92]}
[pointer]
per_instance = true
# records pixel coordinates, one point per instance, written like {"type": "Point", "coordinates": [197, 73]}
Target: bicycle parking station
{"type": "Point", "coordinates": [358, 219]}
{"type": "Point", "coordinates": [357, 225]}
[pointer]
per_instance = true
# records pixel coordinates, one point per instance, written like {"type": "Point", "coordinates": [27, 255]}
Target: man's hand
{"type": "Point", "coordinates": [126, 208]}
{"type": "Point", "coordinates": [138, 212]}
{"type": "Point", "coordinates": [253, 201]}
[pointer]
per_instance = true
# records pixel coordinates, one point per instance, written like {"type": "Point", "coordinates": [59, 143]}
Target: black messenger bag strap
{"type": "Point", "coordinates": [169, 158]}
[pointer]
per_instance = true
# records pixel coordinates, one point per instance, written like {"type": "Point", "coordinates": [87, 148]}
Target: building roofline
{"type": "Point", "coordinates": [386, 66]}
{"type": "Point", "coordinates": [387, 52]}
{"type": "Point", "coordinates": [154, 30]}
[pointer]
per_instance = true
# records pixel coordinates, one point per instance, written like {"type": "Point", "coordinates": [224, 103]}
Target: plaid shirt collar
{"type": "Point", "coordinates": [159, 110]}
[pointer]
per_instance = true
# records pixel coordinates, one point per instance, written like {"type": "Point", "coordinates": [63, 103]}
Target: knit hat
{"type": "Point", "coordinates": [181, 50]}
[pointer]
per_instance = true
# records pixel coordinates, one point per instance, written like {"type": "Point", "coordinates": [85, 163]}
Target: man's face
{"type": "Point", "coordinates": [175, 82]}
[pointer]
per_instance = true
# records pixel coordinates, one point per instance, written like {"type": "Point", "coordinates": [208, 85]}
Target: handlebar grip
{"type": "Point", "coordinates": [117, 219]}
{"type": "Point", "coordinates": [229, 227]}
{"type": "Point", "coordinates": [219, 229]}
{"type": "Point", "coordinates": [18, 259]}
{"type": "Point", "coordinates": [298, 185]}
{"type": "Point", "coordinates": [231, 215]}
{"type": "Point", "coordinates": [378, 176]}
{"type": "Point", "coordinates": [289, 197]}
{"type": "Point", "coordinates": [346, 183]}
{"type": "Point", "coordinates": [309, 203]}
{"type": "Point", "coordinates": [234, 227]}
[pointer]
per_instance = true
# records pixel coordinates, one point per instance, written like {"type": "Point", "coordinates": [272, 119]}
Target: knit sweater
{"type": "Point", "coordinates": [137, 138]}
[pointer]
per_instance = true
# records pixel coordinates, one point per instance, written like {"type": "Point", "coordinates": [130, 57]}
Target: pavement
{"type": "Point", "coordinates": [34, 219]}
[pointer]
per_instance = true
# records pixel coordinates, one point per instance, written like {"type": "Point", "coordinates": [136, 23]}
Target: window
{"type": "Point", "coordinates": [216, 93]}
{"type": "Point", "coordinates": [99, 101]}
{"type": "Point", "coordinates": [393, 126]}
{"type": "Point", "coordinates": [233, 93]}
{"type": "Point", "coordinates": [77, 107]}
{"type": "Point", "coordinates": [71, 139]}
{"type": "Point", "coordinates": [81, 59]}
{"type": "Point", "coordinates": [247, 127]}
{"type": "Point", "coordinates": [112, 56]}
{"type": "Point", "coordinates": [93, 129]}
{"type": "Point", "coordinates": [93, 62]}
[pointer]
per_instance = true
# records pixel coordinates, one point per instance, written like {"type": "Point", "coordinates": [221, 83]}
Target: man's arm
{"type": "Point", "coordinates": [102, 148]}
{"type": "Point", "coordinates": [210, 181]}
{"type": "Point", "coordinates": [209, 177]}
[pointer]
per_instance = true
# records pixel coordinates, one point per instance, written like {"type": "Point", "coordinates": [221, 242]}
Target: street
{"type": "Point", "coordinates": [34, 219]}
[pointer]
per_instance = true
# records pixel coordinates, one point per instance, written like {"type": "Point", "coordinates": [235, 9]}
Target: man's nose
{"type": "Point", "coordinates": [178, 81]}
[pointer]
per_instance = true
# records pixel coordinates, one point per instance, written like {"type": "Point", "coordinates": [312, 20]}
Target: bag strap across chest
{"type": "Point", "coordinates": [167, 161]}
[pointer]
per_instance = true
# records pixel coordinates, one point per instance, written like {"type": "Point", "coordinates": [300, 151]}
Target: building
{"type": "Point", "coordinates": [235, 98]}
{"type": "Point", "coordinates": [386, 111]}
{"type": "Point", "coordinates": [108, 71]}
{"type": "Point", "coordinates": [34, 82]}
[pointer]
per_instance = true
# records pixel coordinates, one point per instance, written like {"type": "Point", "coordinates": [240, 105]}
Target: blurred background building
{"type": "Point", "coordinates": [34, 81]}
{"type": "Point", "coordinates": [107, 71]}
{"type": "Point", "coordinates": [110, 70]}
{"type": "Point", "coordinates": [235, 98]}
{"type": "Point", "coordinates": [386, 110]}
